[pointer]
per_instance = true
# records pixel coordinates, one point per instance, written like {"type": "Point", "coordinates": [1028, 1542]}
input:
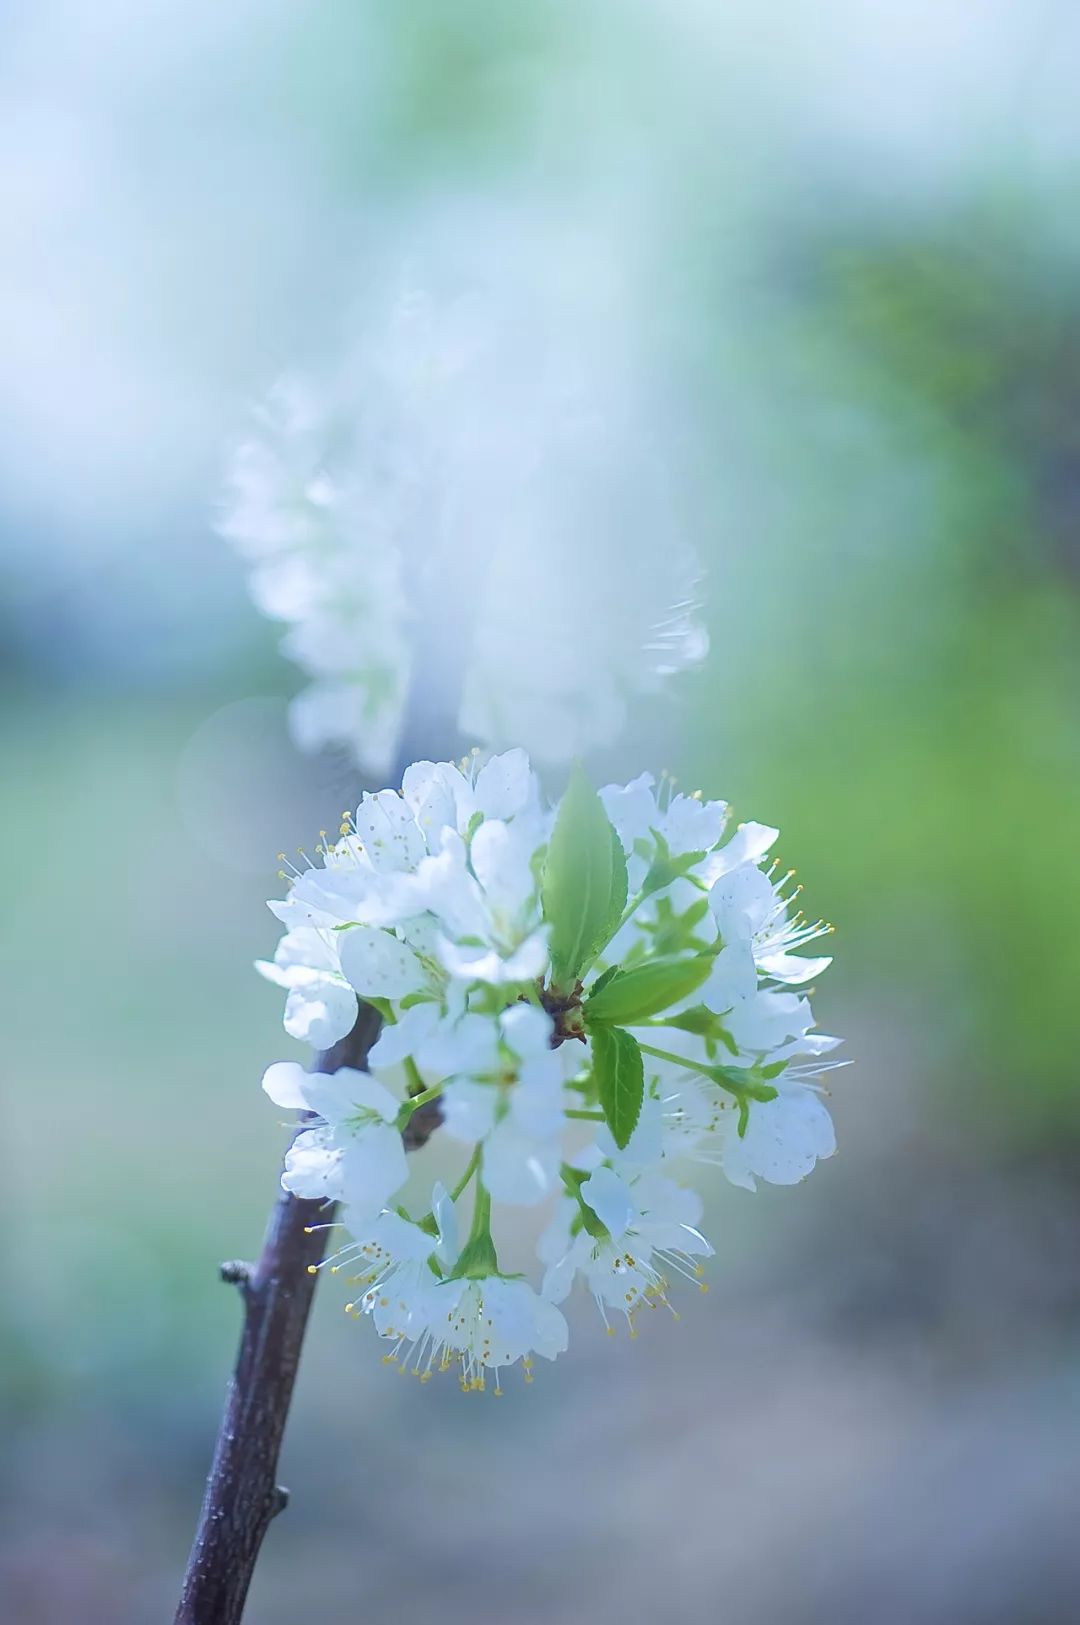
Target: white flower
{"type": "Point", "coordinates": [668, 1019]}
{"type": "Point", "coordinates": [685, 823]}
{"type": "Point", "coordinates": [784, 1138]}
{"type": "Point", "coordinates": [321, 1006]}
{"type": "Point", "coordinates": [443, 796]}
{"type": "Point", "coordinates": [672, 843]}
{"type": "Point", "coordinates": [324, 560]}
{"type": "Point", "coordinates": [355, 1153]}
{"type": "Point", "coordinates": [391, 1261]}
{"type": "Point", "coordinates": [383, 911]}
{"type": "Point", "coordinates": [412, 500]}
{"type": "Point", "coordinates": [780, 1140]}
{"type": "Point", "coordinates": [437, 1319]}
{"type": "Point", "coordinates": [648, 1227]}
{"type": "Point", "coordinates": [484, 896]}
{"type": "Point", "coordinates": [511, 1100]}
{"type": "Point", "coordinates": [398, 1263]}
{"type": "Point", "coordinates": [490, 1323]}
{"type": "Point", "coordinates": [749, 907]}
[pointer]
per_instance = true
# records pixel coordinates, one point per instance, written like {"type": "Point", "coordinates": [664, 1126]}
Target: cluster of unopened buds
{"type": "Point", "coordinates": [587, 999]}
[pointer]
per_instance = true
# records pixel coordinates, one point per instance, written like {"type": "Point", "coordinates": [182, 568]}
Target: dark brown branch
{"type": "Point", "coordinates": [242, 1493]}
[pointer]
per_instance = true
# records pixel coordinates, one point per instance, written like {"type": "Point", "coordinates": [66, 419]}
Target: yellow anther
{"type": "Point", "coordinates": [313, 1269]}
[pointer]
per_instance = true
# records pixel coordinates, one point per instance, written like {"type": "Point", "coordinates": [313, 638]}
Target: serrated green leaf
{"type": "Point", "coordinates": [645, 991]}
{"type": "Point", "coordinates": [620, 1080]}
{"type": "Point", "coordinates": [620, 883]}
{"type": "Point", "coordinates": [602, 981]}
{"type": "Point", "coordinates": [583, 889]}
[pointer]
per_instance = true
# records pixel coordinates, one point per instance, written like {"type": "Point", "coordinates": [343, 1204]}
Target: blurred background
{"type": "Point", "coordinates": [844, 242]}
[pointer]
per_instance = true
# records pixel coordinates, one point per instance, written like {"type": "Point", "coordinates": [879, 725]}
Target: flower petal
{"type": "Point", "coordinates": [378, 964]}
{"type": "Point", "coordinates": [611, 1201]}
{"type": "Point", "coordinates": [519, 1169]}
{"type": "Point", "coordinates": [319, 1010]}
{"type": "Point", "coordinates": [504, 785]}
{"type": "Point", "coordinates": [374, 1167]}
{"type": "Point", "coordinates": [286, 1084]}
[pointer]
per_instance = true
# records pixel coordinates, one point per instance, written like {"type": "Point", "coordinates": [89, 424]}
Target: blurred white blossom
{"type": "Point", "coordinates": [465, 503]}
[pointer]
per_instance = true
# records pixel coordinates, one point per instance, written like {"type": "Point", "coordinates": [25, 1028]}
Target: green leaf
{"type": "Point", "coordinates": [583, 888]}
{"type": "Point", "coordinates": [603, 979]}
{"type": "Point", "coordinates": [620, 884]}
{"type": "Point", "coordinates": [637, 994]}
{"type": "Point", "coordinates": [620, 1080]}
{"type": "Point", "coordinates": [666, 868]}
{"type": "Point", "coordinates": [674, 933]}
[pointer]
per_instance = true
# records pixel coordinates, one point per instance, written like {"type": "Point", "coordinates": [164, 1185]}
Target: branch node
{"type": "Point", "coordinates": [279, 1500]}
{"type": "Point", "coordinates": [238, 1274]}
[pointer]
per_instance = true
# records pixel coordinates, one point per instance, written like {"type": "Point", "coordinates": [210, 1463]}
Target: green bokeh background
{"type": "Point", "coordinates": [856, 230]}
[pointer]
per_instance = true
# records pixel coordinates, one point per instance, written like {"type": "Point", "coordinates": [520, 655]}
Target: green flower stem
{"type": "Point", "coordinates": [427, 1222]}
{"type": "Point", "coordinates": [679, 1060]}
{"type": "Point", "coordinates": [478, 1258]}
{"type": "Point", "coordinates": [481, 1219]}
{"type": "Point", "coordinates": [470, 1169]}
{"type": "Point", "coordinates": [584, 1117]}
{"type": "Point", "coordinates": [743, 1091]}
{"type": "Point", "coordinates": [414, 1102]}
{"type": "Point", "coordinates": [573, 1179]}
{"type": "Point", "coordinates": [629, 911]}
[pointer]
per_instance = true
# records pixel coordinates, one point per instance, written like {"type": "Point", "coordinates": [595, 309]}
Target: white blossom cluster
{"type": "Point", "coordinates": [449, 488]}
{"type": "Point", "coordinates": [590, 998]}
